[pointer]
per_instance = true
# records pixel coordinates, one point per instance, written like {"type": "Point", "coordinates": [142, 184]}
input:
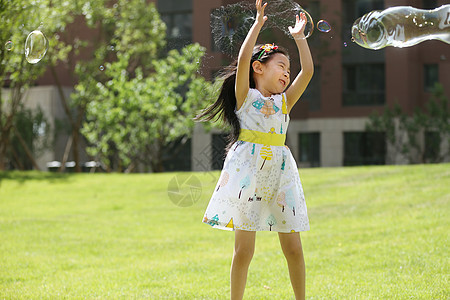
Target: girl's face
{"type": "Point", "coordinates": [274, 76]}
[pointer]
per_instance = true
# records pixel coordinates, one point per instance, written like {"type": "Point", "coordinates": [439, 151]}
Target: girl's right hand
{"type": "Point", "coordinates": [260, 17]}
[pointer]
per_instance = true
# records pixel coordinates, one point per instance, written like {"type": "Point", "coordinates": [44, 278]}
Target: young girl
{"type": "Point", "coordinates": [259, 187]}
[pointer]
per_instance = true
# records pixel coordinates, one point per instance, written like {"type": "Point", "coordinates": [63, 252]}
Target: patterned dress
{"type": "Point", "coordinates": [259, 188]}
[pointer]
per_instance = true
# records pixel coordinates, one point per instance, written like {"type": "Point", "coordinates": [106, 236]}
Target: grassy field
{"type": "Point", "coordinates": [376, 233]}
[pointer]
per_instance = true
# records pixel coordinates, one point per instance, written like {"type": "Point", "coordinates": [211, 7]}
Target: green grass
{"type": "Point", "coordinates": [376, 233]}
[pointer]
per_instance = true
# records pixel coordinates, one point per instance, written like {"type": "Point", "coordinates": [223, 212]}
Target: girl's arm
{"type": "Point", "coordinates": [245, 55]}
{"type": "Point", "coordinates": [300, 82]}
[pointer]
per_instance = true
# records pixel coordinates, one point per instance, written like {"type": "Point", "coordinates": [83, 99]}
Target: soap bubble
{"type": "Point", "coordinates": [345, 44]}
{"type": "Point", "coordinates": [101, 68]}
{"type": "Point", "coordinates": [9, 45]}
{"type": "Point", "coordinates": [230, 24]}
{"type": "Point", "coordinates": [402, 26]}
{"type": "Point", "coordinates": [281, 14]}
{"type": "Point", "coordinates": [323, 26]}
{"type": "Point", "coordinates": [36, 46]}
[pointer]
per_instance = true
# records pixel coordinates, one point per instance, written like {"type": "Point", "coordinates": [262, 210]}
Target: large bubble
{"type": "Point", "coordinates": [36, 46]}
{"type": "Point", "coordinates": [402, 26]}
{"type": "Point", "coordinates": [230, 24]}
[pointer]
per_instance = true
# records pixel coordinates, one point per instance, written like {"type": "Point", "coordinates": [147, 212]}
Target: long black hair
{"type": "Point", "coordinates": [224, 107]}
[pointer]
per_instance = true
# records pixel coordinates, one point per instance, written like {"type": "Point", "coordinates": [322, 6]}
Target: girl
{"type": "Point", "coordinates": [259, 187]}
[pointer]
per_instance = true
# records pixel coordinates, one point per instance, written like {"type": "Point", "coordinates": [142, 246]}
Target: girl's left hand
{"type": "Point", "coordinates": [260, 17]}
{"type": "Point", "coordinates": [300, 24]}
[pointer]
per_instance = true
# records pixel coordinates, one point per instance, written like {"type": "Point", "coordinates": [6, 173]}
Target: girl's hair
{"type": "Point", "coordinates": [225, 105]}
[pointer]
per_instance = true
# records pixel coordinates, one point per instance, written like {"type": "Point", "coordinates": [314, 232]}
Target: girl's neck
{"type": "Point", "coordinates": [263, 91]}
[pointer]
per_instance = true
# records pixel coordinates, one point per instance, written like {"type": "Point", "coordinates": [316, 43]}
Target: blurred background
{"type": "Point", "coordinates": [122, 80]}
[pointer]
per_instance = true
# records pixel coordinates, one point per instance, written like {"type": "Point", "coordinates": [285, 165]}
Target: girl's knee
{"type": "Point", "coordinates": [291, 245]}
{"type": "Point", "coordinates": [244, 245]}
{"type": "Point", "coordinates": [293, 252]}
{"type": "Point", "coordinates": [243, 253]}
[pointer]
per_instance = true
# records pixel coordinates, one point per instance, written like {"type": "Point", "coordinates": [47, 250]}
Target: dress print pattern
{"type": "Point", "coordinates": [259, 188]}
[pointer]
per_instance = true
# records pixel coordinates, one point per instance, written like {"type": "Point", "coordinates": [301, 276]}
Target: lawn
{"type": "Point", "coordinates": [376, 233]}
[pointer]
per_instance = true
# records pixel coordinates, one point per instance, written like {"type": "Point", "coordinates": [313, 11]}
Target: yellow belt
{"type": "Point", "coordinates": [264, 138]}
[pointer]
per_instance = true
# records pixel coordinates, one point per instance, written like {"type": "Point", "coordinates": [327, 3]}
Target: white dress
{"type": "Point", "coordinates": [259, 188]}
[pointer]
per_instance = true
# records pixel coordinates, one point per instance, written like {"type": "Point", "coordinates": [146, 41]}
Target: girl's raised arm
{"type": "Point", "coordinates": [245, 55]}
{"type": "Point", "coordinates": [300, 82]}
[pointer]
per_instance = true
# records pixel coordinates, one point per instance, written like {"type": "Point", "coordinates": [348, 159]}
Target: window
{"type": "Point", "coordinates": [364, 148]}
{"type": "Point", "coordinates": [431, 76]}
{"type": "Point", "coordinates": [354, 9]}
{"type": "Point", "coordinates": [364, 84]}
{"type": "Point", "coordinates": [174, 158]}
{"type": "Point", "coordinates": [309, 147]}
{"type": "Point", "coordinates": [312, 92]}
{"type": "Point", "coordinates": [365, 6]}
{"type": "Point", "coordinates": [229, 30]}
{"type": "Point", "coordinates": [219, 142]}
{"type": "Point", "coordinates": [177, 14]}
{"type": "Point", "coordinates": [432, 146]}
{"type": "Point", "coordinates": [214, 47]}
{"type": "Point", "coordinates": [313, 8]}
{"type": "Point", "coordinates": [429, 4]}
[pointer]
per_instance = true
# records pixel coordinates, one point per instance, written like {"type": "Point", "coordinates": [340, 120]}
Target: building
{"type": "Point", "coordinates": [327, 126]}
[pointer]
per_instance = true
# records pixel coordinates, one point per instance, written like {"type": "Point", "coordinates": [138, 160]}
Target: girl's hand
{"type": "Point", "coordinates": [299, 30]}
{"type": "Point", "coordinates": [260, 17]}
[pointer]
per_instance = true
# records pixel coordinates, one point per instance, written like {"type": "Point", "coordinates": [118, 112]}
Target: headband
{"type": "Point", "coordinates": [267, 48]}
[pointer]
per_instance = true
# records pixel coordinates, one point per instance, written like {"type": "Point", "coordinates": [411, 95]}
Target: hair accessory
{"type": "Point", "coordinates": [267, 48]}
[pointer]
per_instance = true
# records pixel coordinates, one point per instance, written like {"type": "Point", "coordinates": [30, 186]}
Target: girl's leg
{"type": "Point", "coordinates": [292, 249]}
{"type": "Point", "coordinates": [244, 247]}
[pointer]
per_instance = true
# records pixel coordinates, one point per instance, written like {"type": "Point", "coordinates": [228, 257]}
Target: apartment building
{"type": "Point", "coordinates": [327, 126]}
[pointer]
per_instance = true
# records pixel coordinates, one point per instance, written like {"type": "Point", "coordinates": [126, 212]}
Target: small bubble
{"type": "Point", "coordinates": [323, 26]}
{"type": "Point", "coordinates": [111, 48]}
{"type": "Point", "coordinates": [345, 44]}
{"type": "Point", "coordinates": [101, 68]}
{"type": "Point", "coordinates": [353, 39]}
{"type": "Point", "coordinates": [9, 45]}
{"type": "Point", "coordinates": [36, 46]}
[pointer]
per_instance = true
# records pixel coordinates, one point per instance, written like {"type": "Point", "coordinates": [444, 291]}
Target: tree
{"type": "Point", "coordinates": [29, 139]}
{"type": "Point", "coordinates": [18, 19]}
{"type": "Point", "coordinates": [271, 221]}
{"type": "Point", "coordinates": [118, 27]}
{"type": "Point", "coordinates": [141, 99]}
{"type": "Point", "coordinates": [404, 132]}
